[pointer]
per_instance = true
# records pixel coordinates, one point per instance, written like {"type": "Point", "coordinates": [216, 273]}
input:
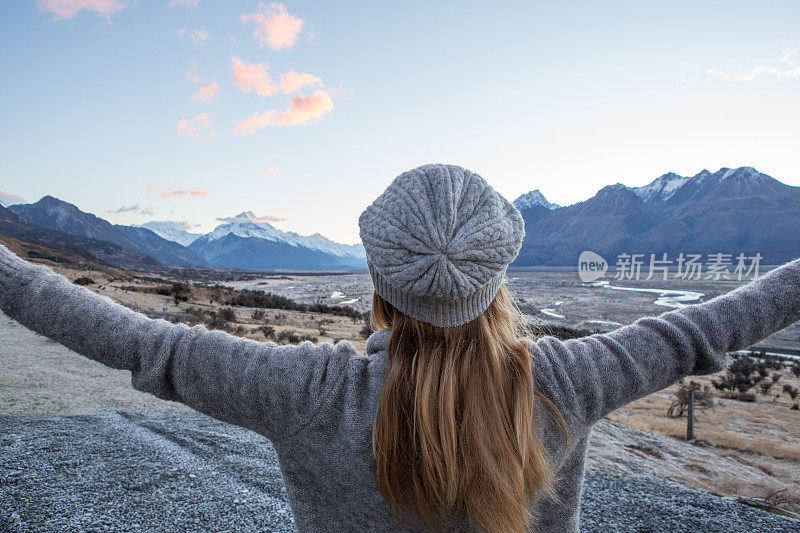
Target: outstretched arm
{"type": "Point", "coordinates": [271, 389]}
{"type": "Point", "coordinates": [594, 375]}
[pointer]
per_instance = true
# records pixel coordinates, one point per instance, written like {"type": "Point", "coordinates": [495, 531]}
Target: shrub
{"type": "Point", "coordinates": [255, 298]}
{"type": "Point", "coordinates": [259, 314]}
{"type": "Point", "coordinates": [775, 377]}
{"type": "Point", "coordinates": [197, 313]}
{"type": "Point", "coordinates": [366, 331]}
{"type": "Point", "coordinates": [268, 331]}
{"type": "Point", "coordinates": [289, 336]}
{"type": "Point", "coordinates": [702, 400]}
{"type": "Point", "coordinates": [796, 370]}
{"type": "Point", "coordinates": [179, 291]}
{"type": "Point", "coordinates": [216, 320]}
{"type": "Point", "coordinates": [746, 397]}
{"type": "Point", "coordinates": [227, 314]}
{"type": "Point", "coordinates": [562, 332]}
{"type": "Point", "coordinates": [84, 280]}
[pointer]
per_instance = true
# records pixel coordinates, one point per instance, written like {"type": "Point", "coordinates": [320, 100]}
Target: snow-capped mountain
{"type": "Point", "coordinates": [534, 197]}
{"type": "Point", "coordinates": [171, 231]}
{"type": "Point", "coordinates": [661, 188]}
{"type": "Point", "coordinates": [729, 211]}
{"type": "Point", "coordinates": [246, 242]}
{"type": "Point", "coordinates": [247, 225]}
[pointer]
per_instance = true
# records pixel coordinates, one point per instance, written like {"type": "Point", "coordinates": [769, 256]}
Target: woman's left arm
{"type": "Point", "coordinates": [594, 375]}
{"type": "Point", "coordinates": [272, 389]}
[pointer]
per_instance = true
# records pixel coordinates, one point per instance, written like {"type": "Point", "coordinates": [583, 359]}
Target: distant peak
{"type": "Point", "coordinates": [670, 176]}
{"type": "Point", "coordinates": [53, 202]}
{"type": "Point", "coordinates": [534, 197]}
{"type": "Point", "coordinates": [741, 171]}
{"type": "Point", "coordinates": [615, 187]}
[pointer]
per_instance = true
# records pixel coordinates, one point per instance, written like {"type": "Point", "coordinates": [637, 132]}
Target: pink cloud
{"type": "Point", "coordinates": [294, 81]}
{"type": "Point", "coordinates": [197, 36]}
{"type": "Point", "coordinates": [191, 72]}
{"type": "Point", "coordinates": [255, 77]}
{"type": "Point", "coordinates": [267, 218]}
{"type": "Point", "coordinates": [194, 192]}
{"type": "Point", "coordinates": [197, 192]}
{"type": "Point", "coordinates": [250, 77]}
{"type": "Point", "coordinates": [197, 128]}
{"type": "Point", "coordinates": [253, 218]}
{"type": "Point", "coordinates": [200, 37]}
{"type": "Point", "coordinates": [302, 110]}
{"type": "Point", "coordinates": [149, 188]}
{"type": "Point", "coordinates": [188, 4]}
{"type": "Point", "coordinates": [269, 172]}
{"type": "Point", "coordinates": [172, 193]}
{"type": "Point", "coordinates": [9, 198]}
{"type": "Point", "coordinates": [206, 93]}
{"type": "Point", "coordinates": [275, 27]}
{"type": "Point", "coordinates": [66, 9]}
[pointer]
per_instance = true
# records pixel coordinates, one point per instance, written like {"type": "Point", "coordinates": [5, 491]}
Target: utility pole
{"type": "Point", "coordinates": [690, 415]}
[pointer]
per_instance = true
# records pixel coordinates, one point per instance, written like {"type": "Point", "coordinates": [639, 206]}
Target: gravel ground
{"type": "Point", "coordinates": [181, 471]}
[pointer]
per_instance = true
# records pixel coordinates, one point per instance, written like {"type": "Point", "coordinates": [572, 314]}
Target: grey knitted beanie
{"type": "Point", "coordinates": [438, 242]}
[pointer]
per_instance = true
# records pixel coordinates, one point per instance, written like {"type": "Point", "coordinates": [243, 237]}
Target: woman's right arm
{"type": "Point", "coordinates": [275, 390]}
{"type": "Point", "coordinates": [594, 375]}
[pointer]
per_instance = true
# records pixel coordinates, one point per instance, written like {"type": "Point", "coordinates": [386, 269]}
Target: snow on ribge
{"type": "Point", "coordinates": [335, 295]}
{"type": "Point", "coordinates": [661, 188]}
{"type": "Point", "coordinates": [350, 301]}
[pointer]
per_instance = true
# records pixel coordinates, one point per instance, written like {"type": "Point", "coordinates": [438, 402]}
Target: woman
{"type": "Point", "coordinates": [453, 420]}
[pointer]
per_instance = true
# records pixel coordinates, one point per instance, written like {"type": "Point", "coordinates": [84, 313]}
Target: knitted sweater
{"type": "Point", "coordinates": [317, 402]}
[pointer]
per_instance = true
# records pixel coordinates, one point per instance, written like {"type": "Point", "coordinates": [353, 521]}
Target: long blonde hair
{"type": "Point", "coordinates": [454, 431]}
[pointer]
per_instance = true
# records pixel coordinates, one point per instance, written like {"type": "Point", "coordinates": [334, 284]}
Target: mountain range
{"type": "Point", "coordinates": [52, 213]}
{"type": "Point", "coordinates": [729, 211]}
{"type": "Point", "coordinates": [62, 244]}
{"type": "Point", "coordinates": [242, 242]}
{"type": "Point", "coordinates": [245, 242]}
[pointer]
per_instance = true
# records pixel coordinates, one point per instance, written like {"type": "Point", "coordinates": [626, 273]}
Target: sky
{"type": "Point", "coordinates": [303, 112]}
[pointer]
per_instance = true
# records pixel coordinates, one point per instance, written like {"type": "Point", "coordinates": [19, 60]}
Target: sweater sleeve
{"type": "Point", "coordinates": [272, 389]}
{"type": "Point", "coordinates": [592, 376]}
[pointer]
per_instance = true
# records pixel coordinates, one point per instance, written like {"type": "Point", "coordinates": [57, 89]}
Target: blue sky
{"type": "Point", "coordinates": [565, 97]}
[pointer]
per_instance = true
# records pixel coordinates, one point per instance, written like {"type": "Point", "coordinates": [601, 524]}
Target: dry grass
{"type": "Point", "coordinates": [764, 435]}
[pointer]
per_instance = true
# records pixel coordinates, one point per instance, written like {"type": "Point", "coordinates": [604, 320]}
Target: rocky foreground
{"type": "Point", "coordinates": [182, 471]}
